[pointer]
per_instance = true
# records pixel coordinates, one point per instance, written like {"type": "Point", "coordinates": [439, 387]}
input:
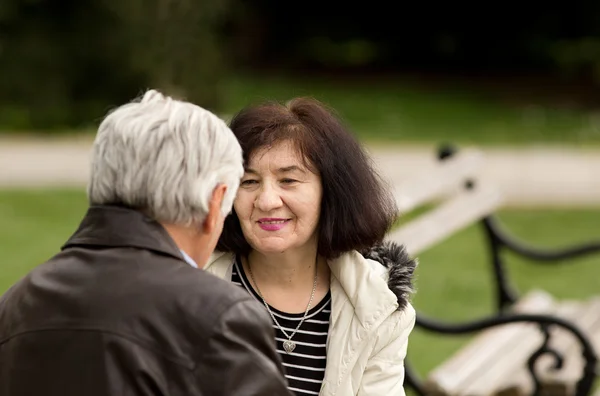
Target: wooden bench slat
{"type": "Point", "coordinates": [451, 216]}
{"type": "Point", "coordinates": [506, 363]}
{"type": "Point", "coordinates": [475, 358]}
{"type": "Point", "coordinates": [502, 359]}
{"type": "Point", "coordinates": [595, 340]}
{"type": "Point", "coordinates": [445, 177]}
{"type": "Point", "coordinates": [563, 381]}
{"type": "Point", "coordinates": [561, 340]}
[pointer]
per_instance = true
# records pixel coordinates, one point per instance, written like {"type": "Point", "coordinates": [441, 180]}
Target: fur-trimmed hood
{"type": "Point", "coordinates": [401, 269]}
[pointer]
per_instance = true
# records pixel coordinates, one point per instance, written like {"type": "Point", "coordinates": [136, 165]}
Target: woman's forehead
{"type": "Point", "coordinates": [280, 157]}
{"type": "Point", "coordinates": [282, 152]}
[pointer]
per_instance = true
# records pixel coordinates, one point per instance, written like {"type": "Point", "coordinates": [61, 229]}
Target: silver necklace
{"type": "Point", "coordinates": [288, 345]}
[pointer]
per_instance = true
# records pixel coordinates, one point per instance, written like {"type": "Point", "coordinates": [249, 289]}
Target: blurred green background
{"type": "Point", "coordinates": [509, 76]}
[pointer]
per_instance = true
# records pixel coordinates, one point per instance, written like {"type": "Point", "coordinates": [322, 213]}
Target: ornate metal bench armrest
{"type": "Point", "coordinates": [536, 253]}
{"type": "Point", "coordinates": [498, 240]}
{"type": "Point", "coordinates": [584, 385]}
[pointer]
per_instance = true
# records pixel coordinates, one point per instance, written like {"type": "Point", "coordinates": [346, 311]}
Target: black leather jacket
{"type": "Point", "coordinates": [119, 312]}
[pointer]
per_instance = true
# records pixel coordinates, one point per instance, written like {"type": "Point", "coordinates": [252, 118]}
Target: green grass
{"type": "Point", "coordinates": [397, 111]}
{"type": "Point", "coordinates": [392, 110]}
{"type": "Point", "coordinates": [453, 278]}
{"type": "Point", "coordinates": [33, 226]}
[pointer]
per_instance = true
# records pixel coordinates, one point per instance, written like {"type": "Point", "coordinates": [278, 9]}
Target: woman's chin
{"type": "Point", "coordinates": [271, 248]}
{"type": "Point", "coordinates": [267, 243]}
{"type": "Point", "coordinates": [271, 245]}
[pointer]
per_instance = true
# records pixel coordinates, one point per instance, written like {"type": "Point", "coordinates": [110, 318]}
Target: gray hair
{"type": "Point", "coordinates": [165, 157]}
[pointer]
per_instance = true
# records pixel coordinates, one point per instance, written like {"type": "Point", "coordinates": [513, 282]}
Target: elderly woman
{"type": "Point", "coordinates": [308, 204]}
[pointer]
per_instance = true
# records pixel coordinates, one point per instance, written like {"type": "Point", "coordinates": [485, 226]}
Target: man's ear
{"type": "Point", "coordinates": [214, 209]}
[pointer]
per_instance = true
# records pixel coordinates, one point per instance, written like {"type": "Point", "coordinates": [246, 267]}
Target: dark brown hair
{"type": "Point", "coordinates": [356, 209]}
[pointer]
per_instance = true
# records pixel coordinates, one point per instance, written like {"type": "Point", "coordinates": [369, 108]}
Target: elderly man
{"type": "Point", "coordinates": [123, 309]}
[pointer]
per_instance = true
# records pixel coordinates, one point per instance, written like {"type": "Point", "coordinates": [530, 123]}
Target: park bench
{"type": "Point", "coordinates": [530, 344]}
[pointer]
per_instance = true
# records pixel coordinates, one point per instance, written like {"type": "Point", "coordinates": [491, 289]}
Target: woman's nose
{"type": "Point", "coordinates": [268, 199]}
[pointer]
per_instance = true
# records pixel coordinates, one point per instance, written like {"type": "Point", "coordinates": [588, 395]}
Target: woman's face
{"type": "Point", "coordinates": [279, 201]}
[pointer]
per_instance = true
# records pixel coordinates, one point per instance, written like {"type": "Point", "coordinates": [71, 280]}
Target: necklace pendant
{"type": "Point", "coordinates": [289, 346]}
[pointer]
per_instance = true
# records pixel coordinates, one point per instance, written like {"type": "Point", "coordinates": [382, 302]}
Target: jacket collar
{"type": "Point", "coordinates": [118, 226]}
{"type": "Point", "coordinates": [400, 268]}
{"type": "Point", "coordinates": [375, 282]}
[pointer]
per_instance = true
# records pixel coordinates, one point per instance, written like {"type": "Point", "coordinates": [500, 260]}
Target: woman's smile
{"type": "Point", "coordinates": [272, 224]}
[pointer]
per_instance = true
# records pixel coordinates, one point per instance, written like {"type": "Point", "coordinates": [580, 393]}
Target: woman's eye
{"type": "Point", "coordinates": [288, 181]}
{"type": "Point", "coordinates": [248, 182]}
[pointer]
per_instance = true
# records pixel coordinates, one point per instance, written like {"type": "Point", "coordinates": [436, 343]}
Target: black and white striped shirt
{"type": "Point", "coordinates": [305, 366]}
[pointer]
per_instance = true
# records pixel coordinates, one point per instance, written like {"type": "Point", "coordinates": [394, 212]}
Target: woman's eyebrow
{"type": "Point", "coordinates": [291, 168]}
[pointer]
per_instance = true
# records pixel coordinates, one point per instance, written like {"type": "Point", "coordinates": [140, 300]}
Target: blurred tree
{"type": "Point", "coordinates": [510, 37]}
{"type": "Point", "coordinates": [176, 44]}
{"type": "Point", "coordinates": [65, 63]}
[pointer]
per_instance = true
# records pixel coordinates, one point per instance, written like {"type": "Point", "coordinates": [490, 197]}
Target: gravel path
{"type": "Point", "coordinates": [538, 176]}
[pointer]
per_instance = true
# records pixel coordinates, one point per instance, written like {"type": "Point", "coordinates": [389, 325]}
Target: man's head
{"type": "Point", "coordinates": [177, 162]}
